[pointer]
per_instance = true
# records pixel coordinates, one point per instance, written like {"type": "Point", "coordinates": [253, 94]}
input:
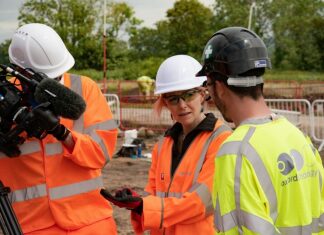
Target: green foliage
{"type": "Point", "coordinates": [288, 75]}
{"type": "Point", "coordinates": [147, 67]}
{"type": "Point", "coordinates": [120, 17]}
{"type": "Point", "coordinates": [236, 13]}
{"type": "Point", "coordinates": [147, 42]}
{"type": "Point", "coordinates": [82, 42]}
{"type": "Point", "coordinates": [73, 20]}
{"type": "Point", "coordinates": [231, 13]}
{"type": "Point", "coordinates": [293, 75]}
{"type": "Point", "coordinates": [189, 24]}
{"type": "Point", "coordinates": [186, 29]}
{"type": "Point", "coordinates": [297, 27]}
{"type": "Point", "coordinates": [36, 11]}
{"type": "Point", "coordinates": [79, 24]}
{"type": "Point", "coordinates": [292, 30]}
{"type": "Point", "coordinates": [131, 70]}
{"type": "Point", "coordinates": [4, 57]}
{"type": "Point", "coordinates": [96, 75]}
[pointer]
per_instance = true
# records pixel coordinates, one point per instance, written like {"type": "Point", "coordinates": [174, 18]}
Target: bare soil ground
{"type": "Point", "coordinates": [131, 173]}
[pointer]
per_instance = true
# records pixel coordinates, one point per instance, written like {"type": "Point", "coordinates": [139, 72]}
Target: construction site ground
{"type": "Point", "coordinates": [132, 173]}
{"type": "Point", "coordinates": [127, 172]}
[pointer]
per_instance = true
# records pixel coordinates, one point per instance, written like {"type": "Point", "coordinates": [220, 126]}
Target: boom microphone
{"type": "Point", "coordinates": [64, 102]}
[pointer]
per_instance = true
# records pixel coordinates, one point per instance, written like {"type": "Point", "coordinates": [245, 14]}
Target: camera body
{"type": "Point", "coordinates": [19, 112]}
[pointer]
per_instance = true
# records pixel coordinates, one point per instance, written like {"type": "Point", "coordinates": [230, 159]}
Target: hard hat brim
{"type": "Point", "coordinates": [202, 72]}
{"type": "Point", "coordinates": [67, 65]}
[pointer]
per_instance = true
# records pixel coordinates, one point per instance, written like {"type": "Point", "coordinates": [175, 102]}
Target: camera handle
{"type": "Point", "coordinates": [8, 220]}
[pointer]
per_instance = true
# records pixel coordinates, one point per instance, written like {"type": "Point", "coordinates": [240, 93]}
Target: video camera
{"type": "Point", "coordinates": [31, 103]}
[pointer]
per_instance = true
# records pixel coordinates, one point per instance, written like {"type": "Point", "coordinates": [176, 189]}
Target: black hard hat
{"type": "Point", "coordinates": [232, 51]}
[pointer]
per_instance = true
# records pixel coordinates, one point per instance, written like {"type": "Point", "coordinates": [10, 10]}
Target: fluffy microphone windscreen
{"type": "Point", "coordinates": [64, 101]}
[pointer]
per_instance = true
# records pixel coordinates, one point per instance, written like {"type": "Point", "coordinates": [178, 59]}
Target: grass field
{"type": "Point", "coordinates": [270, 75]}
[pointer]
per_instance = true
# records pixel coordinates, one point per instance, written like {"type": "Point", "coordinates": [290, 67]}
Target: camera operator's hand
{"type": "Point", "coordinates": [39, 121]}
{"type": "Point", "coordinates": [43, 121]}
{"type": "Point", "coordinates": [60, 132]}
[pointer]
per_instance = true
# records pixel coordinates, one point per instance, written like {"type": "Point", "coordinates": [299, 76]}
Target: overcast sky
{"type": "Point", "coordinates": [150, 11]}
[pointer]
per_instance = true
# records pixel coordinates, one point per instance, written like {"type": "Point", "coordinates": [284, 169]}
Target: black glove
{"type": "Point", "coordinates": [39, 121]}
{"type": "Point", "coordinates": [125, 198]}
{"type": "Point", "coordinates": [42, 121]}
{"type": "Point", "coordinates": [60, 132]}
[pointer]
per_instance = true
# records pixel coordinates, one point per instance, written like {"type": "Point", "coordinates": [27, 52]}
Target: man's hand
{"type": "Point", "coordinates": [124, 198]}
{"type": "Point", "coordinates": [38, 121]}
{"type": "Point", "coordinates": [60, 132]}
{"type": "Point", "coordinates": [42, 121]}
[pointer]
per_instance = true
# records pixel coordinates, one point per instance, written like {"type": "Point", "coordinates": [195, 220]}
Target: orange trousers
{"type": "Point", "coordinates": [102, 227]}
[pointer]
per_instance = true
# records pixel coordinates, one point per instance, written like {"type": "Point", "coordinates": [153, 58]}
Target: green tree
{"type": "Point", "coordinates": [318, 24]}
{"type": "Point", "coordinates": [120, 20]}
{"type": "Point", "coordinates": [150, 42]}
{"type": "Point", "coordinates": [147, 66]}
{"type": "Point", "coordinates": [292, 30]}
{"type": "Point", "coordinates": [82, 42]}
{"type": "Point", "coordinates": [40, 11]}
{"type": "Point", "coordinates": [185, 31]}
{"type": "Point", "coordinates": [80, 25]}
{"type": "Point", "coordinates": [189, 24]}
{"type": "Point", "coordinates": [298, 32]}
{"type": "Point", "coordinates": [236, 13]}
{"type": "Point", "coordinates": [73, 20]}
{"type": "Point", "coordinates": [4, 57]}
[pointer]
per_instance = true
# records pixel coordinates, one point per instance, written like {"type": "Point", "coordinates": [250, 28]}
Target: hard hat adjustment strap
{"type": "Point", "coordinates": [249, 81]}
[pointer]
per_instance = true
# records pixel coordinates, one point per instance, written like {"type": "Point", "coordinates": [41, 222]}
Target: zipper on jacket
{"type": "Point", "coordinates": [167, 193]}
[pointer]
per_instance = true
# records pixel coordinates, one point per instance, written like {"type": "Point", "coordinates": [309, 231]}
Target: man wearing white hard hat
{"type": "Point", "coordinates": [55, 181]}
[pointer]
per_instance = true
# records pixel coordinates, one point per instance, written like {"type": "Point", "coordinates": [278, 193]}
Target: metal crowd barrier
{"type": "Point", "coordinates": [114, 104]}
{"type": "Point", "coordinates": [318, 122]}
{"type": "Point", "coordinates": [297, 111]}
{"type": "Point", "coordinates": [133, 112]}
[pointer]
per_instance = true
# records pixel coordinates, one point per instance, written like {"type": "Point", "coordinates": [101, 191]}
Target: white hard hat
{"type": "Point", "coordinates": [39, 47]}
{"type": "Point", "coordinates": [178, 73]}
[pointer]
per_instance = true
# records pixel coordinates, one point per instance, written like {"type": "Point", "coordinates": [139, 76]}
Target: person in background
{"type": "Point", "coordinates": [145, 85]}
{"type": "Point", "coordinates": [268, 175]}
{"type": "Point", "coordinates": [178, 199]}
{"type": "Point", "coordinates": [55, 181]}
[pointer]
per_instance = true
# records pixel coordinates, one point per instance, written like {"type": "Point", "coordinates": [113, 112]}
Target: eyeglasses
{"type": "Point", "coordinates": [186, 96]}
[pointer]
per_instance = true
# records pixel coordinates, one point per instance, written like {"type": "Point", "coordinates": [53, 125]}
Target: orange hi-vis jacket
{"type": "Point", "coordinates": [181, 204]}
{"type": "Point", "coordinates": [51, 185]}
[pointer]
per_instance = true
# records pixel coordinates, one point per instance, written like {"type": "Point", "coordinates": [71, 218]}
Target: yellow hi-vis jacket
{"type": "Point", "coordinates": [268, 180]}
{"type": "Point", "coordinates": [52, 186]}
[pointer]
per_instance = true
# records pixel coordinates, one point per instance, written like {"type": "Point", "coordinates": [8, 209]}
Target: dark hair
{"type": "Point", "coordinates": [254, 92]}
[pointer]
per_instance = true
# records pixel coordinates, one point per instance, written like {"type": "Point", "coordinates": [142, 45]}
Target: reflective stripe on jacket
{"type": "Point", "coordinates": [53, 186]}
{"type": "Point", "coordinates": [181, 204]}
{"type": "Point", "coordinates": [268, 180]}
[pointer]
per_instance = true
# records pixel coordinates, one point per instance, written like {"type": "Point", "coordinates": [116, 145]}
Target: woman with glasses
{"type": "Point", "coordinates": [178, 199]}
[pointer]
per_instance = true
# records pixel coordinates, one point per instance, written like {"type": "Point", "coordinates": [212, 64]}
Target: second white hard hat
{"type": "Point", "coordinates": [178, 73]}
{"type": "Point", "coordinates": [39, 47]}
